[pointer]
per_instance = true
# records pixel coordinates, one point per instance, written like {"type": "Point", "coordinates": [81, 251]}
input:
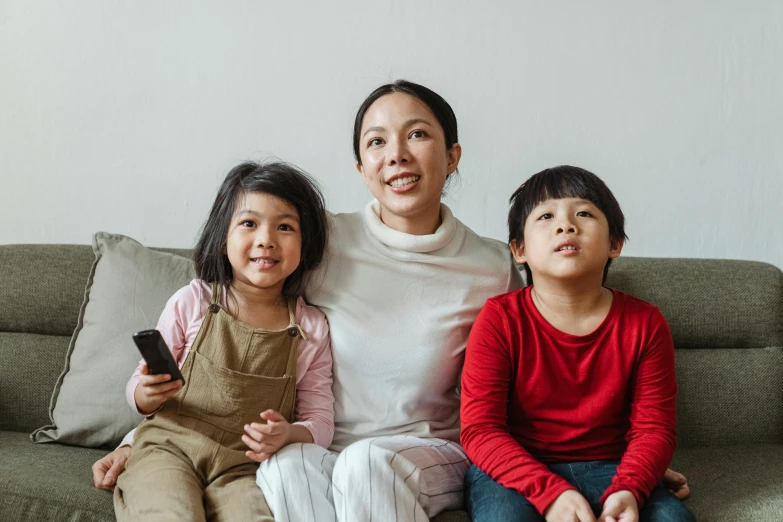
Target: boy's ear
{"type": "Point", "coordinates": [615, 247]}
{"type": "Point", "coordinates": [518, 251]}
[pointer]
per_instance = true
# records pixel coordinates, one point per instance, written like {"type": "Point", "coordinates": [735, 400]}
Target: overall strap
{"type": "Point", "coordinates": [293, 327]}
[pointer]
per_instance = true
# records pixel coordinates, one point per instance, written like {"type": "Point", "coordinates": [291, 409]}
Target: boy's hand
{"type": "Point", "coordinates": [264, 440]}
{"type": "Point", "coordinates": [677, 484]}
{"type": "Point", "coordinates": [620, 506]}
{"type": "Point", "coordinates": [568, 507]}
{"type": "Point", "coordinates": [153, 390]}
{"type": "Point", "coordinates": [106, 470]}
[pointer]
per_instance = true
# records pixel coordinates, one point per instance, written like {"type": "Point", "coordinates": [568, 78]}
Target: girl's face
{"type": "Point", "coordinates": [405, 162]}
{"type": "Point", "coordinates": [264, 242]}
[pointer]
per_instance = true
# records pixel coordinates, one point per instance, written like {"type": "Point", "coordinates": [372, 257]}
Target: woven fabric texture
{"type": "Point", "coordinates": [708, 303]}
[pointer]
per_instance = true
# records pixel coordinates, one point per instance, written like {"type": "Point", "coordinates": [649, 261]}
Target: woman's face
{"type": "Point", "coordinates": [405, 162]}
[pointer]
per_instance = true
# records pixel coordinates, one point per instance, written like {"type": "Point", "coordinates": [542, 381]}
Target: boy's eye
{"type": "Point", "coordinates": [545, 216]}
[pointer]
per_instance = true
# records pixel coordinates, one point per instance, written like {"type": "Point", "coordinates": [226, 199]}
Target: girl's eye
{"type": "Point", "coordinates": [584, 213]}
{"type": "Point", "coordinates": [286, 228]}
{"type": "Point", "coordinates": [247, 223]}
{"type": "Point", "coordinates": [545, 216]}
{"type": "Point", "coordinates": [418, 134]}
{"type": "Point", "coordinates": [374, 142]}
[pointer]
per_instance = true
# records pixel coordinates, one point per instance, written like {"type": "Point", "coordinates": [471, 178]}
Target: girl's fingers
{"type": "Point", "coordinates": [267, 429]}
{"type": "Point", "coordinates": [258, 457]}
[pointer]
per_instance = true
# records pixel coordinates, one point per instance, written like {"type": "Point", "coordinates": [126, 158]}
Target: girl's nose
{"type": "Point", "coordinates": [265, 238]}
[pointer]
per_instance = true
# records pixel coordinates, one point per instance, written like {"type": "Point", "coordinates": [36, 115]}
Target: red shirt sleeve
{"type": "Point", "coordinates": [652, 435]}
{"type": "Point", "coordinates": [487, 378]}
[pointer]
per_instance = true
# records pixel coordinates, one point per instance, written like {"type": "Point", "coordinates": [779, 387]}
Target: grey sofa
{"type": "Point", "coordinates": [726, 318]}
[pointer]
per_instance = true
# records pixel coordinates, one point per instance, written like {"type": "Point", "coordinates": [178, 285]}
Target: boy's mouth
{"type": "Point", "coordinates": [566, 246]}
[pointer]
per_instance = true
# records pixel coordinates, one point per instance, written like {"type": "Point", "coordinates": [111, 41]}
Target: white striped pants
{"type": "Point", "coordinates": [397, 479]}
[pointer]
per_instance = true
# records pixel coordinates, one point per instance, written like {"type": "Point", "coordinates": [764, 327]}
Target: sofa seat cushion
{"type": "Point", "coordinates": [49, 482]}
{"type": "Point", "coordinates": [732, 483]}
{"type": "Point", "coordinates": [54, 482]}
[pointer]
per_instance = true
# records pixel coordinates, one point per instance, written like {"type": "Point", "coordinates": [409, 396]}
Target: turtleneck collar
{"type": "Point", "coordinates": [409, 242]}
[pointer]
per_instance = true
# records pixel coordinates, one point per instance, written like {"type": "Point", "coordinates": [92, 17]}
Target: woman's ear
{"type": "Point", "coordinates": [360, 170]}
{"type": "Point", "coordinates": [454, 154]}
{"type": "Point", "coordinates": [518, 251]}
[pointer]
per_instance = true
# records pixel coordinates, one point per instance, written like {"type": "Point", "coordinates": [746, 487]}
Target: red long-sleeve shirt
{"type": "Point", "coordinates": [532, 394]}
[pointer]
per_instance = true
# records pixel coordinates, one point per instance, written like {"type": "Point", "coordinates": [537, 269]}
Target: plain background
{"type": "Point", "coordinates": [125, 116]}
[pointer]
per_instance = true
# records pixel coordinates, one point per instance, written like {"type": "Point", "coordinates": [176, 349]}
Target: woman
{"type": "Point", "coordinates": [402, 283]}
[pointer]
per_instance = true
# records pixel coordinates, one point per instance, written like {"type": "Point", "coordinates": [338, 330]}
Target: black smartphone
{"type": "Point", "coordinates": [156, 354]}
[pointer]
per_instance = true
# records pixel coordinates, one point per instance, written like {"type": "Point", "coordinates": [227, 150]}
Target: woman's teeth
{"type": "Point", "coordinates": [399, 182]}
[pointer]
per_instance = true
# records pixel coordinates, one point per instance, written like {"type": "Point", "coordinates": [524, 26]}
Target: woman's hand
{"type": "Point", "coordinates": [153, 390]}
{"type": "Point", "coordinates": [570, 506]}
{"type": "Point", "coordinates": [106, 470]}
{"type": "Point", "coordinates": [264, 440]}
{"type": "Point", "coordinates": [677, 484]}
{"type": "Point", "coordinates": [620, 506]}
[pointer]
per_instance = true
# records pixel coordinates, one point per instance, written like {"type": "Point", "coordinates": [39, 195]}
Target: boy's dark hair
{"type": "Point", "coordinates": [558, 183]}
{"type": "Point", "coordinates": [277, 179]}
{"type": "Point", "coordinates": [432, 100]}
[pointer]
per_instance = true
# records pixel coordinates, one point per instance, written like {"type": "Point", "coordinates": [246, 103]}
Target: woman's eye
{"type": "Point", "coordinates": [418, 134]}
{"type": "Point", "coordinates": [546, 216]}
{"type": "Point", "coordinates": [374, 142]}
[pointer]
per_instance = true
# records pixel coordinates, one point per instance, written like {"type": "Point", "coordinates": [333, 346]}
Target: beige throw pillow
{"type": "Point", "coordinates": [126, 291]}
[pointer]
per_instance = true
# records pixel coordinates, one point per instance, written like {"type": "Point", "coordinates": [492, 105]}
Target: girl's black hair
{"type": "Point", "coordinates": [432, 100]}
{"type": "Point", "coordinates": [277, 179]}
{"type": "Point", "coordinates": [558, 183]}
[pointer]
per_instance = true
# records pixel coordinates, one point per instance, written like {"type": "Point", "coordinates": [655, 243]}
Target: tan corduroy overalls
{"type": "Point", "coordinates": [188, 461]}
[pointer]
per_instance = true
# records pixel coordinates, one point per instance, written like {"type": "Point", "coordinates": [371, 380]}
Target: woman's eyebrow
{"type": "Point", "coordinates": [408, 123]}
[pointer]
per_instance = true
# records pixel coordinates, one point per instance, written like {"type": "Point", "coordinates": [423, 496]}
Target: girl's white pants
{"type": "Point", "coordinates": [396, 478]}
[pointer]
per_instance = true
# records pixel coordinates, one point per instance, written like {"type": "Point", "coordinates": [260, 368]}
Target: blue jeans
{"type": "Point", "coordinates": [488, 501]}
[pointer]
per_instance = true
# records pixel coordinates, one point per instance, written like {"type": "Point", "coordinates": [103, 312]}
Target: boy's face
{"type": "Point", "coordinates": [566, 239]}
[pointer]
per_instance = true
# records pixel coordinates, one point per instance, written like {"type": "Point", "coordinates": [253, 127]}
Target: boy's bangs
{"type": "Point", "coordinates": [560, 186]}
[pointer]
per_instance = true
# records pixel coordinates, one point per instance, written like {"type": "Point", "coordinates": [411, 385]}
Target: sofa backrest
{"type": "Point", "coordinates": [726, 318]}
{"type": "Point", "coordinates": [40, 297]}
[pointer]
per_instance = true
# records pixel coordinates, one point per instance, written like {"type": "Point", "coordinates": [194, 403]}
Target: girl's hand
{"type": "Point", "coordinates": [264, 440]}
{"type": "Point", "coordinates": [620, 506]}
{"type": "Point", "coordinates": [570, 506]}
{"type": "Point", "coordinates": [153, 390]}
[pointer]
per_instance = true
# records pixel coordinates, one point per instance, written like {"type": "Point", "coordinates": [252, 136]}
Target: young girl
{"type": "Point", "coordinates": [246, 346]}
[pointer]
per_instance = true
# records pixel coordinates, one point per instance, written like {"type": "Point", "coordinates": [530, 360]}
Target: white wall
{"type": "Point", "coordinates": [124, 116]}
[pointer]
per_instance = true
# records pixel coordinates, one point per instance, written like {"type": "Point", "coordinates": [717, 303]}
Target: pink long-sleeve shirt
{"type": "Point", "coordinates": [181, 320]}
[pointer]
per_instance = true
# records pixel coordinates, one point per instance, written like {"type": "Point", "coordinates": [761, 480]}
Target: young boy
{"type": "Point", "coordinates": [568, 389]}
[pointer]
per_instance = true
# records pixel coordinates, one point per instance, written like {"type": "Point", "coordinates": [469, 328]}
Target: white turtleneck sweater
{"type": "Point", "coordinates": [400, 308]}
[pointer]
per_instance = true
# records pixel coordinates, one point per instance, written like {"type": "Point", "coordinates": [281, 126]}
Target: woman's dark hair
{"type": "Point", "coordinates": [434, 102]}
{"type": "Point", "coordinates": [277, 179]}
{"type": "Point", "coordinates": [558, 183]}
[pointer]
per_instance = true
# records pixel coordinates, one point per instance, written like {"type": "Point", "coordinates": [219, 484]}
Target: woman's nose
{"type": "Point", "coordinates": [398, 152]}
